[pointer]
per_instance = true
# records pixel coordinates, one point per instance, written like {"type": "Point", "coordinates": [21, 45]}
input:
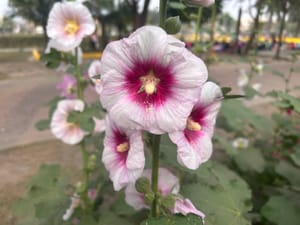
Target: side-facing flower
{"type": "Point", "coordinates": [123, 154]}
{"type": "Point", "coordinates": [67, 86]}
{"type": "Point", "coordinates": [204, 3]}
{"type": "Point", "coordinates": [70, 133]}
{"type": "Point", "coordinates": [150, 81]}
{"type": "Point", "coordinates": [167, 184]}
{"type": "Point", "coordinates": [194, 142]}
{"type": "Point", "coordinates": [94, 74]}
{"type": "Point", "coordinates": [68, 24]}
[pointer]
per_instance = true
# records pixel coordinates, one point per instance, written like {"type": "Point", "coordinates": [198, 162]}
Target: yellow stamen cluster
{"type": "Point", "coordinates": [192, 125]}
{"type": "Point", "coordinates": [71, 27]}
{"type": "Point", "coordinates": [149, 83]}
{"type": "Point", "coordinates": [123, 147]}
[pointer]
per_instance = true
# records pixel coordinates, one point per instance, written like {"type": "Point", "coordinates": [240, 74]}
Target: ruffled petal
{"type": "Point", "coordinates": [192, 153]}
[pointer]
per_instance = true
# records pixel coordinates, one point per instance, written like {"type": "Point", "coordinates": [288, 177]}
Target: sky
{"type": "Point", "coordinates": [3, 6]}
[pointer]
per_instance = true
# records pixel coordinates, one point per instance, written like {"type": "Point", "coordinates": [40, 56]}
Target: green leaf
{"type": "Point", "coordinates": [83, 119]}
{"type": "Point", "coordinates": [222, 195]}
{"type": "Point", "coordinates": [42, 125]}
{"type": "Point", "coordinates": [250, 92]}
{"type": "Point", "coordinates": [45, 201]}
{"type": "Point", "coordinates": [238, 117]}
{"type": "Point", "coordinates": [109, 218]}
{"type": "Point", "coordinates": [281, 211]}
{"type": "Point", "coordinates": [250, 160]}
{"type": "Point", "coordinates": [290, 172]}
{"type": "Point", "coordinates": [226, 145]}
{"type": "Point", "coordinates": [174, 220]}
{"type": "Point", "coordinates": [226, 90]}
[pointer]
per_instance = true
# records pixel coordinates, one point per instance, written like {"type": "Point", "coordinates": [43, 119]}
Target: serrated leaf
{"type": "Point", "coordinates": [226, 202]}
{"type": "Point", "coordinates": [238, 117]}
{"type": "Point", "coordinates": [250, 160]}
{"type": "Point", "coordinates": [281, 211]}
{"type": "Point", "coordinates": [42, 125]}
{"type": "Point", "coordinates": [174, 220]}
{"type": "Point", "coordinates": [290, 172]}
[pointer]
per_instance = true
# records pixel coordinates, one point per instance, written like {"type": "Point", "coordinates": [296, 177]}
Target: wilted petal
{"type": "Point", "coordinates": [185, 206]}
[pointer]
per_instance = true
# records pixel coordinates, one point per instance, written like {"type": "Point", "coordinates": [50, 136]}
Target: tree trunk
{"type": "Point", "coordinates": [104, 37]}
{"type": "Point", "coordinates": [141, 18]}
{"type": "Point", "coordinates": [237, 31]}
{"type": "Point", "coordinates": [297, 31]}
{"type": "Point", "coordinates": [270, 22]}
{"type": "Point", "coordinates": [282, 25]}
{"type": "Point", "coordinates": [212, 31]}
{"type": "Point", "coordinates": [44, 26]}
{"type": "Point", "coordinates": [255, 27]}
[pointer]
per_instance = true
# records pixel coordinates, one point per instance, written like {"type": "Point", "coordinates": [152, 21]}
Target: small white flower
{"type": "Point", "coordinates": [75, 201]}
{"type": "Point", "coordinates": [240, 143]}
{"type": "Point", "coordinates": [256, 86]}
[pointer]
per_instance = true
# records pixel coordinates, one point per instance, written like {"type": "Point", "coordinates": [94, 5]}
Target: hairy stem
{"type": "Point", "coordinates": [162, 12]}
{"type": "Point", "coordinates": [154, 178]}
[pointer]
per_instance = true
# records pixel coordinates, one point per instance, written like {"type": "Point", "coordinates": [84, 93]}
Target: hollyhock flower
{"type": "Point", "coordinates": [150, 81]}
{"type": "Point", "coordinates": [123, 154]}
{"type": "Point", "coordinates": [69, 133]}
{"type": "Point", "coordinates": [67, 86]}
{"type": "Point", "coordinates": [94, 71]}
{"type": "Point", "coordinates": [167, 184]}
{"type": "Point", "coordinates": [92, 194]}
{"type": "Point", "coordinates": [68, 24]}
{"type": "Point", "coordinates": [194, 141]}
{"type": "Point", "coordinates": [99, 125]}
{"type": "Point", "coordinates": [204, 3]}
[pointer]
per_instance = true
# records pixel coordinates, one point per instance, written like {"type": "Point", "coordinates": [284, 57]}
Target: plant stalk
{"type": "Point", "coordinates": [154, 178]}
{"type": "Point", "coordinates": [162, 13]}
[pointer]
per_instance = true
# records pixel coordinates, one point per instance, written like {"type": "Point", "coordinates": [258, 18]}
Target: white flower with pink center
{"type": "Point", "coordinates": [123, 154]}
{"type": "Point", "coordinates": [167, 184]}
{"type": "Point", "coordinates": [69, 133]}
{"type": "Point", "coordinates": [94, 74]}
{"type": "Point", "coordinates": [150, 81]}
{"type": "Point", "coordinates": [68, 24]}
{"type": "Point", "coordinates": [194, 142]}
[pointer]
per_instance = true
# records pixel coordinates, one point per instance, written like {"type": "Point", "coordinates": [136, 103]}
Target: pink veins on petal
{"type": "Point", "coordinates": [149, 83]}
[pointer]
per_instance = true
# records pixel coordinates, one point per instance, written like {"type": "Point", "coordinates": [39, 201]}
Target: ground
{"type": "Point", "coordinates": [26, 86]}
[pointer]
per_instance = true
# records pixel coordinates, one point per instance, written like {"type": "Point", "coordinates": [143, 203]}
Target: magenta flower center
{"type": "Point", "coordinates": [194, 124]}
{"type": "Point", "coordinates": [149, 83]}
{"type": "Point", "coordinates": [71, 27]}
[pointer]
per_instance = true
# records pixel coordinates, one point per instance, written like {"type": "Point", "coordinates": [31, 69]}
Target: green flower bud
{"type": "Point", "coordinates": [142, 185]}
{"type": "Point", "coordinates": [173, 25]}
{"type": "Point", "coordinates": [169, 201]}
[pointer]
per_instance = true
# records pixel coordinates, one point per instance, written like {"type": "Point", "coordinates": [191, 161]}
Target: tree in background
{"type": "Point", "coordinates": [33, 10]}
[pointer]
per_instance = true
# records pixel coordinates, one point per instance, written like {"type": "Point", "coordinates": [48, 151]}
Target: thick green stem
{"type": "Point", "coordinates": [78, 77]}
{"type": "Point", "coordinates": [162, 12]}
{"type": "Point", "coordinates": [154, 178]}
{"type": "Point", "coordinates": [198, 22]}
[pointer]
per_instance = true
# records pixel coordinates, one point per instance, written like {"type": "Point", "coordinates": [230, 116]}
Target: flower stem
{"type": "Point", "coordinates": [154, 178]}
{"type": "Point", "coordinates": [162, 12]}
{"type": "Point", "coordinates": [199, 16]}
{"type": "Point", "coordinates": [78, 76]}
{"type": "Point", "coordinates": [86, 174]}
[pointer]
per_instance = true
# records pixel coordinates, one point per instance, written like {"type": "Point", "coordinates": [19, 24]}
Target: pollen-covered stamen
{"type": "Point", "coordinates": [71, 27]}
{"type": "Point", "coordinates": [149, 83]}
{"type": "Point", "coordinates": [123, 147]}
{"type": "Point", "coordinates": [192, 125]}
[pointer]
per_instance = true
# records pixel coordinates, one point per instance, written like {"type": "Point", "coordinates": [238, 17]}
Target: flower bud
{"type": "Point", "coordinates": [204, 3]}
{"type": "Point", "coordinates": [142, 185]}
{"type": "Point", "coordinates": [173, 25]}
{"type": "Point", "coordinates": [80, 187]}
{"type": "Point", "coordinates": [169, 201]}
